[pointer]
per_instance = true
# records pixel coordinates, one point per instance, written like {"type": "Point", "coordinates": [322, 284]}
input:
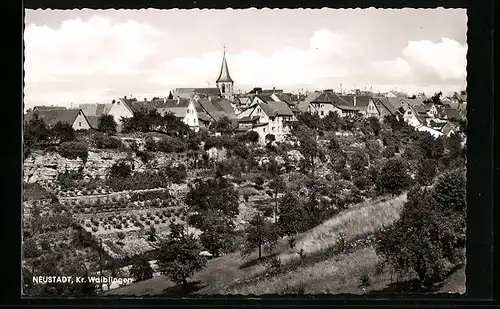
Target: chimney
{"type": "Point", "coordinates": [274, 90]}
{"type": "Point", "coordinates": [125, 97]}
{"type": "Point", "coordinates": [354, 100]}
{"type": "Point", "coordinates": [178, 100]}
{"type": "Point", "coordinates": [164, 100]}
{"type": "Point", "coordinates": [145, 99]}
{"type": "Point", "coordinates": [209, 98]}
{"type": "Point", "coordinates": [113, 102]}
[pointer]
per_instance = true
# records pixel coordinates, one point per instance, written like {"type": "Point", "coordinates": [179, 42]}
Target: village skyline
{"type": "Point", "coordinates": [87, 56]}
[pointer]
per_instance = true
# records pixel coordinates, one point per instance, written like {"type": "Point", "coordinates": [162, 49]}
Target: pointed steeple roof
{"type": "Point", "coordinates": [224, 76]}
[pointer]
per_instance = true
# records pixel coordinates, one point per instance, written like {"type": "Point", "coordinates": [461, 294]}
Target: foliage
{"type": "Point", "coordinates": [141, 269]}
{"type": "Point", "coordinates": [393, 177]}
{"type": "Point", "coordinates": [374, 125]}
{"type": "Point", "coordinates": [429, 238]}
{"type": "Point", "coordinates": [120, 170]}
{"type": "Point", "coordinates": [359, 161]}
{"type": "Point", "coordinates": [73, 150]}
{"type": "Point", "coordinates": [177, 174]}
{"type": "Point", "coordinates": [223, 125]}
{"type": "Point", "coordinates": [373, 147]}
{"type": "Point", "coordinates": [104, 141]}
{"type": "Point", "coordinates": [213, 195]}
{"type": "Point", "coordinates": [308, 145]}
{"type": "Point", "coordinates": [258, 233]}
{"type": "Point", "coordinates": [35, 131]}
{"type": "Point", "coordinates": [311, 121]}
{"type": "Point", "coordinates": [107, 124]}
{"type": "Point", "coordinates": [291, 215]}
{"type": "Point", "coordinates": [179, 255]}
{"type": "Point", "coordinates": [63, 131]}
{"type": "Point", "coordinates": [270, 138]}
{"type": "Point", "coordinates": [252, 136]}
{"type": "Point", "coordinates": [218, 234]}
{"type": "Point", "coordinates": [170, 144]}
{"type": "Point", "coordinates": [426, 172]}
{"type": "Point", "coordinates": [139, 181]}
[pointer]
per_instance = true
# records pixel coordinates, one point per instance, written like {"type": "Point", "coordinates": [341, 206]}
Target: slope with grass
{"type": "Point", "coordinates": [233, 274]}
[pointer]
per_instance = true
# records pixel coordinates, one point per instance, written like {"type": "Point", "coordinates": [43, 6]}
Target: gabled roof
{"type": "Point", "coordinates": [348, 98]}
{"type": "Point", "coordinates": [248, 119]}
{"type": "Point", "coordinates": [265, 98]}
{"type": "Point", "coordinates": [271, 91]}
{"type": "Point", "coordinates": [224, 76]}
{"type": "Point", "coordinates": [329, 97]}
{"type": "Point", "coordinates": [46, 108]}
{"type": "Point", "coordinates": [396, 102]}
{"type": "Point", "coordinates": [384, 102]}
{"type": "Point", "coordinates": [51, 117]}
{"type": "Point", "coordinates": [428, 106]}
{"type": "Point", "coordinates": [285, 97]}
{"type": "Point", "coordinates": [216, 109]}
{"type": "Point", "coordinates": [93, 121]}
{"type": "Point", "coordinates": [362, 101]}
{"type": "Point", "coordinates": [95, 109]}
{"type": "Point", "coordinates": [274, 109]}
{"type": "Point", "coordinates": [452, 113]}
{"type": "Point", "coordinates": [136, 106]}
{"type": "Point", "coordinates": [419, 109]}
{"type": "Point", "coordinates": [414, 102]}
{"type": "Point", "coordinates": [213, 92]}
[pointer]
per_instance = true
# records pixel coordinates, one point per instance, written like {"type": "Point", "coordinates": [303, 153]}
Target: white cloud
{"type": "Point", "coordinates": [447, 58]}
{"type": "Point", "coordinates": [98, 59]}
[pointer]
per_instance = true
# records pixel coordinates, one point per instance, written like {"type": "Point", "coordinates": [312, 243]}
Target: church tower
{"type": "Point", "coordinates": [224, 82]}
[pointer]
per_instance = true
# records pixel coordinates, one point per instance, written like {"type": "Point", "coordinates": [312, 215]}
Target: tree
{"type": "Point", "coordinates": [449, 191]}
{"type": "Point", "coordinates": [393, 176]}
{"type": "Point", "coordinates": [292, 215]}
{"type": "Point", "coordinates": [35, 131]}
{"type": "Point", "coordinates": [120, 170]}
{"type": "Point", "coordinates": [430, 232]}
{"type": "Point", "coordinates": [107, 124]}
{"type": "Point", "coordinates": [308, 146]}
{"type": "Point", "coordinates": [141, 269]}
{"type": "Point", "coordinates": [252, 136]}
{"type": "Point", "coordinates": [179, 256]}
{"type": "Point", "coordinates": [258, 233]}
{"type": "Point", "coordinates": [426, 172]}
{"type": "Point", "coordinates": [270, 138]}
{"type": "Point", "coordinates": [359, 161]}
{"type": "Point", "coordinates": [218, 234]}
{"type": "Point", "coordinates": [63, 131]}
{"type": "Point", "coordinates": [277, 185]}
{"type": "Point", "coordinates": [73, 150]}
{"type": "Point", "coordinates": [374, 125]}
{"type": "Point", "coordinates": [223, 125]}
{"type": "Point", "coordinates": [170, 96]}
{"type": "Point", "coordinates": [212, 195]}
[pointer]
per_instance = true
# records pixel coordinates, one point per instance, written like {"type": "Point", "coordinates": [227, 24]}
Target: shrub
{"type": "Point", "coordinates": [73, 150]}
{"type": "Point", "coordinates": [94, 229]}
{"type": "Point", "coordinates": [364, 281]}
{"type": "Point", "coordinates": [104, 141]}
{"type": "Point", "coordinates": [121, 235]}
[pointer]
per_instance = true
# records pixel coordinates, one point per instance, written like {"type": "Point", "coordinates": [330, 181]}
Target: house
{"type": "Point", "coordinates": [94, 111]}
{"type": "Point", "coordinates": [413, 116]}
{"type": "Point", "coordinates": [303, 105]}
{"type": "Point", "coordinates": [215, 109]}
{"type": "Point", "coordinates": [328, 101]}
{"type": "Point", "coordinates": [181, 108]}
{"type": "Point", "coordinates": [74, 117]}
{"type": "Point", "coordinates": [449, 128]}
{"type": "Point", "coordinates": [359, 101]}
{"type": "Point", "coordinates": [120, 109]}
{"type": "Point", "coordinates": [45, 108]}
{"type": "Point", "coordinates": [381, 107]}
{"type": "Point", "coordinates": [274, 118]}
{"type": "Point", "coordinates": [450, 114]}
{"type": "Point", "coordinates": [196, 93]}
{"type": "Point", "coordinates": [431, 110]}
{"type": "Point", "coordinates": [435, 133]}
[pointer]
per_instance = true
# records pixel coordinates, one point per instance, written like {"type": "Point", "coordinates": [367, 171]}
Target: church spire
{"type": "Point", "coordinates": [224, 76]}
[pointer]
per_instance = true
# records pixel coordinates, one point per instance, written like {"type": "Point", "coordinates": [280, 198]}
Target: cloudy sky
{"type": "Point", "coordinates": [84, 56]}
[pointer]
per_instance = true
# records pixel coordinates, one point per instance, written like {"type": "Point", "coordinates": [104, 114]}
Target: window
{"type": "Point", "coordinates": [80, 124]}
{"type": "Point", "coordinates": [322, 113]}
{"type": "Point", "coordinates": [272, 129]}
{"type": "Point", "coordinates": [264, 130]}
{"type": "Point", "coordinates": [223, 88]}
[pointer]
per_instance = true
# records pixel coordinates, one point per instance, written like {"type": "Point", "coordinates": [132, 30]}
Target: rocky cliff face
{"type": "Point", "coordinates": [44, 167]}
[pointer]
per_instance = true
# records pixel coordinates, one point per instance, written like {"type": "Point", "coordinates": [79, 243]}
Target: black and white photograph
{"type": "Point", "coordinates": [244, 152]}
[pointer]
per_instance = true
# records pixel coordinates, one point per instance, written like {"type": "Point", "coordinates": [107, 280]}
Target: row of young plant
{"type": "Point", "coordinates": [127, 221]}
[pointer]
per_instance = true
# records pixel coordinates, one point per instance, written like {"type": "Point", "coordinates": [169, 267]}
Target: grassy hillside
{"type": "Point", "coordinates": [233, 274]}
